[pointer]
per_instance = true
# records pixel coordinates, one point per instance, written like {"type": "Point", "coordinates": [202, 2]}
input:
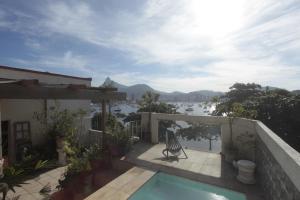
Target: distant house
{"type": "Point", "coordinates": [17, 122]}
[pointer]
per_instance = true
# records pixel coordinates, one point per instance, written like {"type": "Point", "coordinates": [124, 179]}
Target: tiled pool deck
{"type": "Point", "coordinates": [123, 186]}
{"type": "Point", "coordinates": [199, 166]}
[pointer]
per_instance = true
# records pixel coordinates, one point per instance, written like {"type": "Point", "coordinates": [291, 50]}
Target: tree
{"type": "Point", "coordinates": [279, 109]}
{"type": "Point", "coordinates": [150, 103]}
{"type": "Point", "coordinates": [149, 99]}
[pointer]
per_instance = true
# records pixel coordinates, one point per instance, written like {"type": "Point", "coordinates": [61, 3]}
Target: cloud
{"type": "Point", "coordinates": [216, 42]}
{"type": "Point", "coordinates": [68, 61]}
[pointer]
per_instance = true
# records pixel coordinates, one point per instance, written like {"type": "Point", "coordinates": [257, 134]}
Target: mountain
{"type": "Point", "coordinates": [296, 92]}
{"type": "Point", "coordinates": [135, 92]}
{"type": "Point", "coordinates": [110, 83]}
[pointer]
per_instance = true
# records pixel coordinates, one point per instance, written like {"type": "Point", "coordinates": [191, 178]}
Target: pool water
{"type": "Point", "coordinates": [167, 187]}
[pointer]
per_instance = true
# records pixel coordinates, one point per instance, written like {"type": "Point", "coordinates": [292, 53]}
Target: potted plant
{"type": "Point", "coordinates": [118, 142]}
{"type": "Point", "coordinates": [95, 156]}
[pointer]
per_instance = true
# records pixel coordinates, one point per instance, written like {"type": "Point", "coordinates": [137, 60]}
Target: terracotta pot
{"type": "Point", "coordinates": [114, 150]}
{"type": "Point", "coordinates": [62, 194]}
{"type": "Point", "coordinates": [96, 164]}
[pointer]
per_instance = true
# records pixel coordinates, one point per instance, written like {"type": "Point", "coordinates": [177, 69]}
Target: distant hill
{"type": "Point", "coordinates": [110, 83]}
{"type": "Point", "coordinates": [265, 88]}
{"type": "Point", "coordinates": [296, 92]}
{"type": "Point", "coordinates": [135, 92]}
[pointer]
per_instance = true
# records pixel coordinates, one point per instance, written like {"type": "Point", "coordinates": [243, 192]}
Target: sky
{"type": "Point", "coordinates": [182, 45]}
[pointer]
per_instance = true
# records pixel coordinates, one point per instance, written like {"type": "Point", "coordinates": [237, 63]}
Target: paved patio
{"type": "Point", "coordinates": [199, 166]}
{"type": "Point", "coordinates": [30, 189]}
{"type": "Point", "coordinates": [125, 185]}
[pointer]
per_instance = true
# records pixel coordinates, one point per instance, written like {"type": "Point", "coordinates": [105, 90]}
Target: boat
{"type": "Point", "coordinates": [189, 109]}
{"type": "Point", "coordinates": [117, 110]}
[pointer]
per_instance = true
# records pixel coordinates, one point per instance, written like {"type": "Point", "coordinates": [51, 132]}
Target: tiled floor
{"type": "Point", "coordinates": [123, 186]}
{"type": "Point", "coordinates": [199, 166]}
{"type": "Point", "coordinates": [30, 189]}
{"type": "Point", "coordinates": [199, 162]}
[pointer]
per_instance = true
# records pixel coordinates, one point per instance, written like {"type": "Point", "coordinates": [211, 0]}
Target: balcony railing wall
{"type": "Point", "coordinates": [278, 164]}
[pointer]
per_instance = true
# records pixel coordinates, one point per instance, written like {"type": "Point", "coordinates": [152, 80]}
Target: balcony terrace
{"type": "Point", "coordinates": [277, 164]}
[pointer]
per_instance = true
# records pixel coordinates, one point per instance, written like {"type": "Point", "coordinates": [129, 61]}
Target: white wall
{"type": "Point", "coordinates": [22, 110]}
{"type": "Point", "coordinates": [16, 110]}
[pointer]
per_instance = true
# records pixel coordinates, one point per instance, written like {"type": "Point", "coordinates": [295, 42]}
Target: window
{"type": "Point", "coordinates": [22, 131]}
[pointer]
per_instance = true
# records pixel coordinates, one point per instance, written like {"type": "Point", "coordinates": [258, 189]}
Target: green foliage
{"type": "Point", "coordinates": [75, 167]}
{"type": "Point", "coordinates": [13, 177]}
{"type": "Point", "coordinates": [79, 161]}
{"type": "Point", "coordinates": [119, 138]}
{"type": "Point", "coordinates": [150, 103]}
{"type": "Point", "coordinates": [239, 110]}
{"type": "Point", "coordinates": [149, 99]}
{"type": "Point", "coordinates": [117, 135]}
{"type": "Point", "coordinates": [12, 172]}
{"type": "Point", "coordinates": [113, 124]}
{"type": "Point", "coordinates": [41, 164]}
{"type": "Point", "coordinates": [279, 109]}
{"type": "Point", "coordinates": [60, 123]}
{"type": "Point", "coordinates": [94, 152]}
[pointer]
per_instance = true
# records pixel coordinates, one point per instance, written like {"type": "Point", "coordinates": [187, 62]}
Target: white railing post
{"type": "Point", "coordinates": [154, 129]}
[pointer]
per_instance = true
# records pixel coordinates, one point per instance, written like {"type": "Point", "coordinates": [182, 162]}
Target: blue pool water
{"type": "Point", "coordinates": [167, 187]}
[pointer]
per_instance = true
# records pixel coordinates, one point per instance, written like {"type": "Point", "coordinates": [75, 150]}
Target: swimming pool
{"type": "Point", "coordinates": [167, 187]}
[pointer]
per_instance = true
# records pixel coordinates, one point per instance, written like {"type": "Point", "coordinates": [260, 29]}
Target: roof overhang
{"type": "Point", "coordinates": [31, 89]}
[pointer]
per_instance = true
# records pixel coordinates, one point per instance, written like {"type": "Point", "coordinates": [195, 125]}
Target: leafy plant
{"type": "Point", "coordinates": [94, 152]}
{"type": "Point", "coordinates": [12, 172]}
{"type": "Point", "coordinates": [13, 177]}
{"type": "Point", "coordinates": [118, 138]}
{"type": "Point", "coordinates": [75, 167]}
{"type": "Point", "coordinates": [41, 164]}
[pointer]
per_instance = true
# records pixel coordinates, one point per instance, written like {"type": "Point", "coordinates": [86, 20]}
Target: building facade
{"type": "Point", "coordinates": [18, 123]}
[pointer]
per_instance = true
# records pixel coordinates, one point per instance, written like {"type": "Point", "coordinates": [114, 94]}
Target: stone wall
{"type": "Point", "coordinates": [273, 180]}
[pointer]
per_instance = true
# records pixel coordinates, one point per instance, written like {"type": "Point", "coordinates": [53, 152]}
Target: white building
{"type": "Point", "coordinates": [17, 122]}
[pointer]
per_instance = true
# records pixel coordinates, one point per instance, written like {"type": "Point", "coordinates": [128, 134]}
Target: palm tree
{"type": "Point", "coordinates": [149, 99]}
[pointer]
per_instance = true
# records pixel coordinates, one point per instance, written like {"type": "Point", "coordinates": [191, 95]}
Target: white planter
{"type": "Point", "coordinates": [62, 157]}
{"type": "Point", "coordinates": [246, 171]}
